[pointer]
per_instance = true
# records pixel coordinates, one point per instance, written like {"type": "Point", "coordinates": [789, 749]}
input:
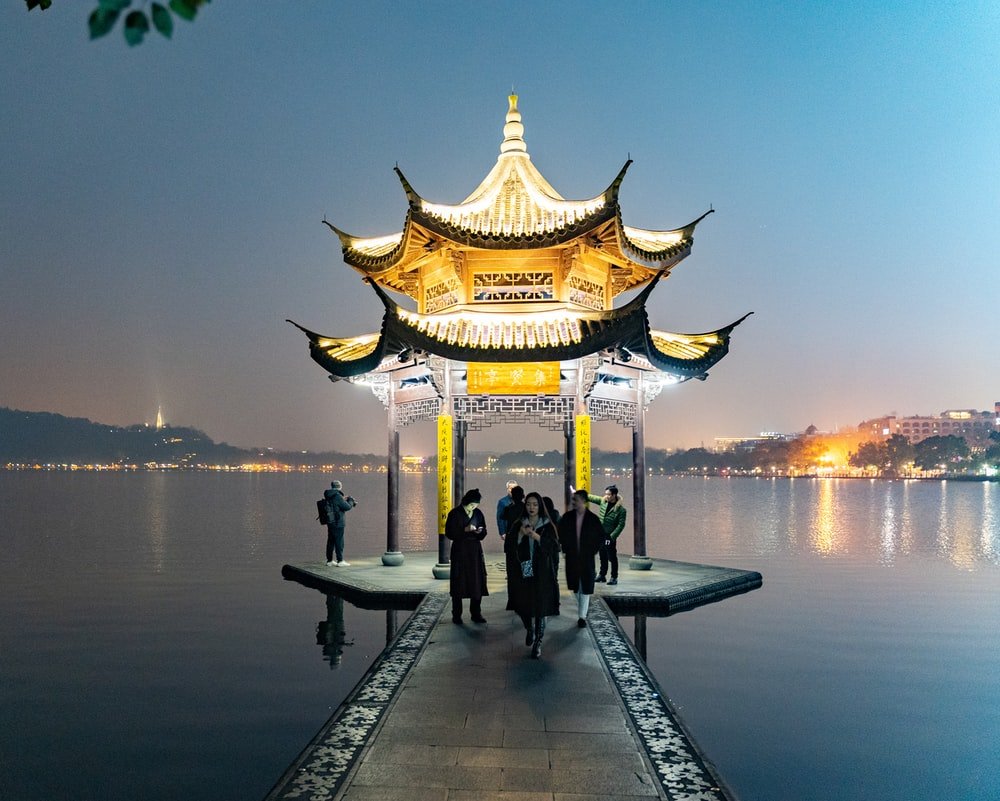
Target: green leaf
{"type": "Point", "coordinates": [184, 9]}
{"type": "Point", "coordinates": [136, 27]}
{"type": "Point", "coordinates": [162, 20]}
{"type": "Point", "coordinates": [101, 21]}
{"type": "Point", "coordinates": [114, 5]}
{"type": "Point", "coordinates": [42, 4]}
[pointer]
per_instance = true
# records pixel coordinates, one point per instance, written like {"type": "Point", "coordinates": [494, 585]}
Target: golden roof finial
{"type": "Point", "coordinates": [513, 130]}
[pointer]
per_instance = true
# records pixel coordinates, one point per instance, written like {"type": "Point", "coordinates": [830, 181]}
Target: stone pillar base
{"type": "Point", "coordinates": [639, 563]}
{"type": "Point", "coordinates": [392, 558]}
{"type": "Point", "coordinates": [441, 571]}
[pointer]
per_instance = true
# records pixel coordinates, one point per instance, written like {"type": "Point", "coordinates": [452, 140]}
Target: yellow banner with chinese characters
{"type": "Point", "coordinates": [583, 451]}
{"type": "Point", "coordinates": [514, 378]}
{"type": "Point", "coordinates": [444, 454]}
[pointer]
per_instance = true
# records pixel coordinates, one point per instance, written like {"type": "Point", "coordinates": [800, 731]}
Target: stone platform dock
{"type": "Point", "coordinates": [456, 713]}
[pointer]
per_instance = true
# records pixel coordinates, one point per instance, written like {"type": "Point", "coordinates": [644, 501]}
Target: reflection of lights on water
{"type": "Point", "coordinates": [990, 535]}
{"type": "Point", "coordinates": [964, 520]}
{"type": "Point", "coordinates": [942, 540]}
{"type": "Point", "coordinates": [906, 520]}
{"type": "Point", "coordinates": [417, 515]}
{"type": "Point", "coordinates": [888, 541]}
{"type": "Point", "coordinates": [824, 522]}
{"type": "Point", "coordinates": [156, 515]}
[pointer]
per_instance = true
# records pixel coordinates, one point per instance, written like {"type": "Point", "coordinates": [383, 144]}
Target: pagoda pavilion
{"type": "Point", "coordinates": [515, 322]}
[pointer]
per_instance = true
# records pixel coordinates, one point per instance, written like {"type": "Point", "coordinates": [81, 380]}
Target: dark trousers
{"type": "Point", "coordinates": [535, 625]}
{"type": "Point", "coordinates": [334, 542]}
{"type": "Point", "coordinates": [609, 553]}
{"type": "Point", "coordinates": [475, 607]}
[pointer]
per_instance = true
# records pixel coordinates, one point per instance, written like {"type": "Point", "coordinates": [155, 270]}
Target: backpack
{"type": "Point", "coordinates": [324, 511]}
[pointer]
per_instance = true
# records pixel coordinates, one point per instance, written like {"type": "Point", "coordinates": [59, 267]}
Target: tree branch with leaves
{"type": "Point", "coordinates": [136, 22]}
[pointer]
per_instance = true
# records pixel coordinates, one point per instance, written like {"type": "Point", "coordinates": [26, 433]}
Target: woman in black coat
{"type": "Point", "coordinates": [533, 541]}
{"type": "Point", "coordinates": [466, 528]}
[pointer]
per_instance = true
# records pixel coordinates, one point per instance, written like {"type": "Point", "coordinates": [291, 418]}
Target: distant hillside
{"type": "Point", "coordinates": [46, 438]}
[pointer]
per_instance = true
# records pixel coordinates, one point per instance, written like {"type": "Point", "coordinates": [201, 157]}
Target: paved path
{"type": "Point", "coordinates": [462, 713]}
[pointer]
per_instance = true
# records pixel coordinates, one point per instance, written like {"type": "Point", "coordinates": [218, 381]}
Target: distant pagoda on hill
{"type": "Point", "coordinates": [515, 321]}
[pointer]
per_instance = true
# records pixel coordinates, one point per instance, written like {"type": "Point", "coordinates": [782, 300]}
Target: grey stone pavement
{"type": "Point", "coordinates": [477, 718]}
{"type": "Point", "coordinates": [460, 712]}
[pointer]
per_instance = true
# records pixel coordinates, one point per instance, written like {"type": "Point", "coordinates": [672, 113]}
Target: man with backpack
{"type": "Point", "coordinates": [336, 507]}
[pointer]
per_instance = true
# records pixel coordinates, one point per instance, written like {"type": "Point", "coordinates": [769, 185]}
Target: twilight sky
{"type": "Point", "coordinates": [161, 206]}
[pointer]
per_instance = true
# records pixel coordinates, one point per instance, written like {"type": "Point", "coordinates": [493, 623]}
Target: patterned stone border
{"type": "Point", "coordinates": [321, 769]}
{"type": "Point", "coordinates": [680, 767]}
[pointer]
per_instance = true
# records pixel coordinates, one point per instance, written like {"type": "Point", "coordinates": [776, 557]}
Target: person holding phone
{"type": "Point", "coordinates": [466, 528]}
{"type": "Point", "coordinates": [532, 557]}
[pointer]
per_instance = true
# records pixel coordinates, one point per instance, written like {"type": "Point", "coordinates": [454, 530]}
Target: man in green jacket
{"type": "Point", "coordinates": [612, 516]}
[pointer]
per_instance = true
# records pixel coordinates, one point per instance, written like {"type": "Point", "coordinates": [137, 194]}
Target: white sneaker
{"type": "Point", "coordinates": [330, 564]}
{"type": "Point", "coordinates": [343, 564]}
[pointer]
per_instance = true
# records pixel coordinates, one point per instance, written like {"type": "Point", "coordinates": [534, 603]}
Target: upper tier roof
{"type": "Point", "coordinates": [513, 208]}
{"type": "Point", "coordinates": [514, 199]}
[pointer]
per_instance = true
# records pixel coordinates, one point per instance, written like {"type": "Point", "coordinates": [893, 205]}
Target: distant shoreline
{"type": "Point", "coordinates": [381, 470]}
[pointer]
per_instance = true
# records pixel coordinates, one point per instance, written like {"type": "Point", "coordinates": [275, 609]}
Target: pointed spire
{"type": "Point", "coordinates": [513, 131]}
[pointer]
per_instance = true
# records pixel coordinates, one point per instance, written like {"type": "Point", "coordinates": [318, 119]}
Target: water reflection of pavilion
{"type": "Point", "coordinates": [515, 322]}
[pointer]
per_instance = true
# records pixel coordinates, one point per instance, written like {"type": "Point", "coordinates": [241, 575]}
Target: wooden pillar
{"type": "Point", "coordinates": [640, 635]}
{"type": "Point", "coordinates": [392, 556]}
{"type": "Point", "coordinates": [445, 453]}
{"type": "Point", "coordinates": [461, 430]}
{"type": "Point", "coordinates": [569, 462]}
{"type": "Point", "coordinates": [639, 560]}
{"type": "Point", "coordinates": [392, 626]}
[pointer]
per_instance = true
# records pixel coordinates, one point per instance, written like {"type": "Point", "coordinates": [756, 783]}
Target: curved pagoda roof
{"type": "Point", "coordinates": [517, 273]}
{"type": "Point", "coordinates": [515, 208]}
{"type": "Point", "coordinates": [556, 335]}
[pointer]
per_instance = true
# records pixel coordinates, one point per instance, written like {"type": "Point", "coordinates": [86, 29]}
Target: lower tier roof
{"type": "Point", "coordinates": [561, 335]}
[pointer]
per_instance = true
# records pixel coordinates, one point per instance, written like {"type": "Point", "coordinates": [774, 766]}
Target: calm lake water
{"type": "Point", "coordinates": [149, 647]}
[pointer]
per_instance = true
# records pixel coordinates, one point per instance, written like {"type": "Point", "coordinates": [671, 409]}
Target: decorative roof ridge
{"type": "Point", "coordinates": [643, 296]}
{"type": "Point", "coordinates": [685, 230]}
{"type": "Point", "coordinates": [689, 228]}
{"type": "Point", "coordinates": [412, 197]}
{"type": "Point", "coordinates": [693, 368]}
{"type": "Point", "coordinates": [345, 238]}
{"type": "Point", "coordinates": [390, 305]}
{"type": "Point", "coordinates": [725, 332]}
{"type": "Point", "coordinates": [312, 335]}
{"type": "Point", "coordinates": [658, 249]}
{"type": "Point", "coordinates": [611, 193]}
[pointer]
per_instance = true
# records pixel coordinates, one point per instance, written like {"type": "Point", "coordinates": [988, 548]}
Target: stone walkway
{"type": "Point", "coordinates": [462, 713]}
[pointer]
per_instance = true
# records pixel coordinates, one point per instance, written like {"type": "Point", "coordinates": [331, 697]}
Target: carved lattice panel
{"type": "Point", "coordinates": [404, 414]}
{"type": "Point", "coordinates": [442, 295]}
{"type": "Point", "coordinates": [615, 411]}
{"type": "Point", "coordinates": [379, 384]}
{"type": "Point", "coordinates": [504, 286]}
{"type": "Point", "coordinates": [585, 293]}
{"type": "Point", "coordinates": [483, 411]}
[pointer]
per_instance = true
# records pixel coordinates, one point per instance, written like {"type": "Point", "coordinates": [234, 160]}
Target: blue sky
{"type": "Point", "coordinates": [161, 206]}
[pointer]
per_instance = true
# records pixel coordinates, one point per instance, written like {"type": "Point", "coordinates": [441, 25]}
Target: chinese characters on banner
{"type": "Point", "coordinates": [515, 378]}
{"type": "Point", "coordinates": [583, 451]}
{"type": "Point", "coordinates": [444, 454]}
